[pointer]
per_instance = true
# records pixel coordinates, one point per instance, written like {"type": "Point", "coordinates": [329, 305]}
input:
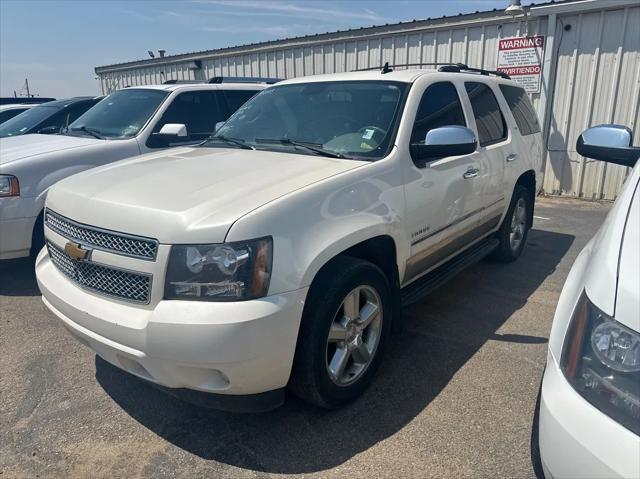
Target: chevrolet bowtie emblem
{"type": "Point", "coordinates": [76, 252]}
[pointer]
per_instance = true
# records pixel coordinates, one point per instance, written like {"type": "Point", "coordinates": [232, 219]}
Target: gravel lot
{"type": "Point", "coordinates": [454, 398]}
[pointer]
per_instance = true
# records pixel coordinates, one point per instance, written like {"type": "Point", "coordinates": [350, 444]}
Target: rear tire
{"type": "Point", "coordinates": [345, 325]}
{"type": "Point", "coordinates": [513, 232]}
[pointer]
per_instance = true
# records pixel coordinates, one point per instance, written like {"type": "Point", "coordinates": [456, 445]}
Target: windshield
{"type": "Point", "coordinates": [120, 115]}
{"type": "Point", "coordinates": [352, 119]}
{"type": "Point", "coordinates": [22, 123]}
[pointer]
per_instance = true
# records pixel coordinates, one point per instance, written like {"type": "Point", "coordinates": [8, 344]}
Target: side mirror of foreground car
{"type": "Point", "coordinates": [611, 143]}
{"type": "Point", "coordinates": [445, 141]}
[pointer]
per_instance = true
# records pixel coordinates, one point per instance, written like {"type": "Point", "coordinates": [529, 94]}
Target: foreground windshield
{"type": "Point", "coordinates": [120, 115]}
{"type": "Point", "coordinates": [26, 120]}
{"type": "Point", "coordinates": [354, 119]}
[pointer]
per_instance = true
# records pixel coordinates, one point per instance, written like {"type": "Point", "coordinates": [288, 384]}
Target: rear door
{"type": "Point", "coordinates": [495, 145]}
{"type": "Point", "coordinates": [527, 142]}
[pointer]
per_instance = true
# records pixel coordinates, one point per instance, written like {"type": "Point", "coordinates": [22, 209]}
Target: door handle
{"type": "Point", "coordinates": [471, 173]}
{"type": "Point", "coordinates": [511, 157]}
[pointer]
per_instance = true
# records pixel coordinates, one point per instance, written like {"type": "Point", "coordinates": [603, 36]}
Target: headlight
{"type": "Point", "coordinates": [9, 186]}
{"type": "Point", "coordinates": [219, 272]}
{"type": "Point", "coordinates": [601, 360]}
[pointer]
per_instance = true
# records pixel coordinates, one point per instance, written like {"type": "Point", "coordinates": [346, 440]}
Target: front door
{"type": "Point", "coordinates": [443, 195]}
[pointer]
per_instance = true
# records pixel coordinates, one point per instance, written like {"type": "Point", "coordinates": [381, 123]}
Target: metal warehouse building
{"type": "Point", "coordinates": [589, 70]}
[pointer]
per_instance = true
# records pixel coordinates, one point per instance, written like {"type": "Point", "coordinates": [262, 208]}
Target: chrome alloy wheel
{"type": "Point", "coordinates": [518, 224]}
{"type": "Point", "coordinates": [354, 335]}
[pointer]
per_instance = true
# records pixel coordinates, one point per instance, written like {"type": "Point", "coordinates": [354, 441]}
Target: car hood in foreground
{"type": "Point", "coordinates": [187, 195]}
{"type": "Point", "coordinates": [13, 148]}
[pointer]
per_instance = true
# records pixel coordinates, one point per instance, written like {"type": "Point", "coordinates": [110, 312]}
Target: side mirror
{"type": "Point", "coordinates": [445, 141]}
{"type": "Point", "coordinates": [49, 130]}
{"type": "Point", "coordinates": [173, 129]}
{"type": "Point", "coordinates": [610, 143]}
{"type": "Point", "coordinates": [218, 125]}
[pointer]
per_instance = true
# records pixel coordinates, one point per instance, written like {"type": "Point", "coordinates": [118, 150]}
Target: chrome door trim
{"type": "Point", "coordinates": [457, 221]}
{"type": "Point", "coordinates": [432, 256]}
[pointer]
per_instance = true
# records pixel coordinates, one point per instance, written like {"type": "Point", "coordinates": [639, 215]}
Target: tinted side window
{"type": "Point", "coordinates": [522, 110]}
{"type": "Point", "coordinates": [439, 106]}
{"type": "Point", "coordinates": [237, 98]}
{"type": "Point", "coordinates": [8, 114]}
{"type": "Point", "coordinates": [53, 124]}
{"type": "Point", "coordinates": [75, 111]}
{"type": "Point", "coordinates": [489, 119]}
{"type": "Point", "coordinates": [199, 111]}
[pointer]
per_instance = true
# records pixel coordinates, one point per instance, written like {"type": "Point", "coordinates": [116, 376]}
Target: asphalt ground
{"type": "Point", "coordinates": [455, 396]}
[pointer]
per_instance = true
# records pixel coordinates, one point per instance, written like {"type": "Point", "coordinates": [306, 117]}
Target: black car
{"type": "Point", "coordinates": [49, 118]}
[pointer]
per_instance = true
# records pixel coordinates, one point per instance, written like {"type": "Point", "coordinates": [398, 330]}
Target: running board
{"type": "Point", "coordinates": [443, 273]}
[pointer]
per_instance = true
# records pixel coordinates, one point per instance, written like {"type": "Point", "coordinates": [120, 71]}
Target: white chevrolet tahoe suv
{"type": "Point", "coordinates": [126, 123]}
{"type": "Point", "coordinates": [279, 252]}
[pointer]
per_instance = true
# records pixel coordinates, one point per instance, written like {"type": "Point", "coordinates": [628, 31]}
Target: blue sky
{"type": "Point", "coordinates": [56, 44]}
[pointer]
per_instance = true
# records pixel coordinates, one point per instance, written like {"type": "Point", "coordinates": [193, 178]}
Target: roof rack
{"type": "Point", "coordinates": [176, 82]}
{"type": "Point", "coordinates": [268, 81]}
{"type": "Point", "coordinates": [461, 67]}
{"type": "Point", "coordinates": [442, 67]}
{"type": "Point", "coordinates": [389, 68]}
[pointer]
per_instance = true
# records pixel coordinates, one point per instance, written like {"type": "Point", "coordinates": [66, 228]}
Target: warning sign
{"type": "Point", "coordinates": [521, 59]}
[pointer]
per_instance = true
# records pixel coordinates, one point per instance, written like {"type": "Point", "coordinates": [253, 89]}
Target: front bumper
{"type": "Point", "coordinates": [235, 348]}
{"type": "Point", "coordinates": [579, 441]}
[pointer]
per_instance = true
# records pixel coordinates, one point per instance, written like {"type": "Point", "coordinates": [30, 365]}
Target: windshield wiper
{"type": "Point", "coordinates": [234, 141]}
{"type": "Point", "coordinates": [315, 147]}
{"type": "Point", "coordinates": [93, 132]}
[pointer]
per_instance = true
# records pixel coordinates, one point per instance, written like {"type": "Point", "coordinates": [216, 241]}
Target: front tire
{"type": "Point", "coordinates": [345, 325]}
{"type": "Point", "coordinates": [512, 235]}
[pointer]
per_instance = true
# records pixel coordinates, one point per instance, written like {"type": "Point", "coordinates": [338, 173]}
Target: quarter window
{"type": "Point", "coordinates": [439, 106]}
{"type": "Point", "coordinates": [522, 110]}
{"type": "Point", "coordinates": [489, 119]}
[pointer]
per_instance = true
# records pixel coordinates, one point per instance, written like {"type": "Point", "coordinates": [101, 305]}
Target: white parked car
{"type": "Point", "coordinates": [279, 252]}
{"type": "Point", "coordinates": [10, 110]}
{"type": "Point", "coordinates": [589, 424]}
{"type": "Point", "coordinates": [126, 123]}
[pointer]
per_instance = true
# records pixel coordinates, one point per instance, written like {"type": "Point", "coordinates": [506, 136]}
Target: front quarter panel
{"type": "Point", "coordinates": [38, 173]}
{"type": "Point", "coordinates": [312, 225]}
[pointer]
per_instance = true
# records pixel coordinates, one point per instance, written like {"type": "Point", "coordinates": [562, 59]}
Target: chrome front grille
{"type": "Point", "coordinates": [106, 280]}
{"type": "Point", "coordinates": [110, 241]}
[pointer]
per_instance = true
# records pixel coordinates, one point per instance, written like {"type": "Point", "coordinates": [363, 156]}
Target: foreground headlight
{"type": "Point", "coordinates": [601, 360]}
{"type": "Point", "coordinates": [9, 186]}
{"type": "Point", "coordinates": [219, 272]}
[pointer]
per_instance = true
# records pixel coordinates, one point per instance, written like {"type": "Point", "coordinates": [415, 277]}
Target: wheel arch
{"type": "Point", "coordinates": [380, 250]}
{"type": "Point", "coordinates": [528, 181]}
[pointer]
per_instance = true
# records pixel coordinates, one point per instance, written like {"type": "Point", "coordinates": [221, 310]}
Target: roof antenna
{"type": "Point", "coordinates": [386, 68]}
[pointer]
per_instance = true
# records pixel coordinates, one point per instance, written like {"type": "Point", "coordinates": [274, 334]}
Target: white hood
{"type": "Point", "coordinates": [187, 195]}
{"type": "Point", "coordinates": [14, 148]}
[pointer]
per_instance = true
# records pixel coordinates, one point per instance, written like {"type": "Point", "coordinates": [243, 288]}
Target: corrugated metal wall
{"type": "Point", "coordinates": [597, 81]}
{"type": "Point", "coordinates": [597, 76]}
{"type": "Point", "coordinates": [476, 45]}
